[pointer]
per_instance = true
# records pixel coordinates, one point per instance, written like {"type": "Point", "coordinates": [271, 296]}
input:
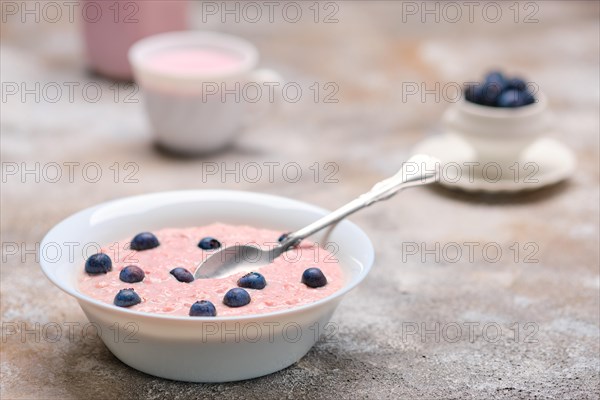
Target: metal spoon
{"type": "Point", "coordinates": [418, 170]}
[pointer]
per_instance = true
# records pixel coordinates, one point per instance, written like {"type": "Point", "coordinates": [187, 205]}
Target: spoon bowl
{"type": "Point", "coordinates": [235, 259]}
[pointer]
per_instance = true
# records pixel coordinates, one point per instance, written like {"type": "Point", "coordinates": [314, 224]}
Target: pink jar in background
{"type": "Point", "coordinates": [111, 26]}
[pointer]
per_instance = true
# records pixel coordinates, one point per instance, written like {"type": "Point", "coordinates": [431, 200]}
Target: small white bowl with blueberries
{"type": "Point", "coordinates": [499, 137]}
{"type": "Point", "coordinates": [499, 117]}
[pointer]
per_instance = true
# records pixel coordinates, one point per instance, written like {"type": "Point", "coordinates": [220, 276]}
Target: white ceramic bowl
{"type": "Point", "coordinates": [201, 349]}
{"type": "Point", "coordinates": [498, 135]}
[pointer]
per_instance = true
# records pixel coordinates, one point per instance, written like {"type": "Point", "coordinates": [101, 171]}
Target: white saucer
{"type": "Point", "coordinates": [545, 162]}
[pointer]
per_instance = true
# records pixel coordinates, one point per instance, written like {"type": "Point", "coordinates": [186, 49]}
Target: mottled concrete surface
{"type": "Point", "coordinates": [552, 300]}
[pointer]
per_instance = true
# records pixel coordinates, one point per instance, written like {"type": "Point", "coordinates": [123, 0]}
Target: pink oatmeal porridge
{"type": "Point", "coordinates": [302, 275]}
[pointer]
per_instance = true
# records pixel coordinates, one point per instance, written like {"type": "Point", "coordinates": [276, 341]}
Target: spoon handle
{"type": "Point", "coordinates": [418, 170]}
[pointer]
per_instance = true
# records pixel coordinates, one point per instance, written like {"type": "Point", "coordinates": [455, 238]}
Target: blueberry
{"type": "Point", "coordinates": [496, 78]}
{"type": "Point", "coordinates": [493, 86]}
{"type": "Point", "coordinates": [516, 83]}
{"type": "Point", "coordinates": [182, 275]}
{"type": "Point", "coordinates": [314, 278]}
{"type": "Point", "coordinates": [236, 297]}
{"type": "Point", "coordinates": [252, 280]}
{"type": "Point", "coordinates": [474, 93]}
{"type": "Point", "coordinates": [98, 263]}
{"type": "Point", "coordinates": [144, 241]}
{"type": "Point", "coordinates": [515, 98]}
{"type": "Point", "coordinates": [490, 93]}
{"type": "Point", "coordinates": [127, 298]}
{"type": "Point", "coordinates": [528, 97]}
{"type": "Point", "coordinates": [132, 274]}
{"type": "Point", "coordinates": [203, 308]}
{"type": "Point", "coordinates": [485, 94]}
{"type": "Point", "coordinates": [209, 243]}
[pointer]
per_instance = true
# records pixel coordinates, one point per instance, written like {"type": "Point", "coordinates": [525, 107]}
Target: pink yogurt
{"type": "Point", "coordinates": [161, 293]}
{"type": "Point", "coordinates": [194, 60]}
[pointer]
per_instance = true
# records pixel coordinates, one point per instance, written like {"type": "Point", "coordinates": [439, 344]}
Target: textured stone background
{"type": "Point", "coordinates": [368, 133]}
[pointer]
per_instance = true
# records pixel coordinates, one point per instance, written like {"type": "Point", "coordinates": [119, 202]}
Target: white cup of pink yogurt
{"type": "Point", "coordinates": [196, 87]}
